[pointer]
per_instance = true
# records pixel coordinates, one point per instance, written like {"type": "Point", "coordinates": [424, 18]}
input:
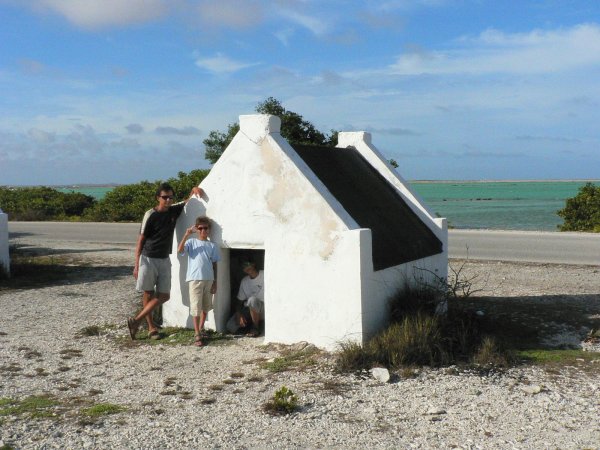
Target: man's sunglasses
{"type": "Point", "coordinates": [166, 197]}
{"type": "Point", "coordinates": [202, 228]}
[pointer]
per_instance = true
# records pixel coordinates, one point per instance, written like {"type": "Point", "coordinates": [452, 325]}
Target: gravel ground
{"type": "Point", "coordinates": [187, 397]}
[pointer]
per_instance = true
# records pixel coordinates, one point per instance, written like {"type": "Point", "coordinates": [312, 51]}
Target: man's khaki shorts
{"type": "Point", "coordinates": [200, 296]}
{"type": "Point", "coordinates": [154, 274]}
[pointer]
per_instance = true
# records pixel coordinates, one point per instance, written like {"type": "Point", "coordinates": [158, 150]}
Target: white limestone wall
{"type": "Point", "coordinates": [4, 256]}
{"type": "Point", "coordinates": [311, 298]}
{"type": "Point", "coordinates": [261, 195]}
{"type": "Point", "coordinates": [319, 278]}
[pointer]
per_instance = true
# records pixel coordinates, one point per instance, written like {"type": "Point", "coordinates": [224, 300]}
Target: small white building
{"type": "Point", "coordinates": [336, 230]}
{"type": "Point", "coordinates": [4, 256]}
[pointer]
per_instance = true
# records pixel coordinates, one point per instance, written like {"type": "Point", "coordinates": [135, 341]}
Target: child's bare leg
{"type": "Point", "coordinates": [196, 320]}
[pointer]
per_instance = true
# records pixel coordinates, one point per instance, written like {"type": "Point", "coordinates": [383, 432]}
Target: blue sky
{"type": "Point", "coordinates": [118, 91]}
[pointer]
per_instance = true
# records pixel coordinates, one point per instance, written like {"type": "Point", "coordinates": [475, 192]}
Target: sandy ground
{"type": "Point", "coordinates": [179, 396]}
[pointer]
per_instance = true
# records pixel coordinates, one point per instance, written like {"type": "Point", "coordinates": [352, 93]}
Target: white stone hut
{"type": "Point", "coordinates": [4, 256]}
{"type": "Point", "coordinates": [337, 231]}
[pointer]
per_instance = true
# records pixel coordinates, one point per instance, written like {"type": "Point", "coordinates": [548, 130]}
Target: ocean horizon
{"type": "Point", "coordinates": [528, 205]}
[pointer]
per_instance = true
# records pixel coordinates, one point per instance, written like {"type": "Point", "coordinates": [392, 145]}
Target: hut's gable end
{"type": "Point", "coordinates": [259, 194]}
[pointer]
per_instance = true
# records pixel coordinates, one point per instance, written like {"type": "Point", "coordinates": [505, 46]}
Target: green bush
{"type": "Point", "coordinates": [417, 340]}
{"type": "Point", "coordinates": [43, 203]}
{"type": "Point", "coordinates": [419, 337]}
{"type": "Point", "coordinates": [129, 202]}
{"type": "Point", "coordinates": [582, 212]}
{"type": "Point", "coordinates": [284, 401]}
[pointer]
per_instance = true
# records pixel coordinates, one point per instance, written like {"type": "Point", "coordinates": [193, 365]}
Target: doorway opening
{"type": "Point", "coordinates": [237, 258]}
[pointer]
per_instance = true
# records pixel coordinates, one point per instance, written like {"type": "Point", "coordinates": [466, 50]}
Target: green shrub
{"type": "Point", "coordinates": [43, 203]}
{"type": "Point", "coordinates": [417, 340]}
{"type": "Point", "coordinates": [283, 402]}
{"type": "Point", "coordinates": [353, 357]}
{"type": "Point", "coordinates": [582, 212]}
{"type": "Point", "coordinates": [129, 202]}
{"type": "Point", "coordinates": [491, 354]}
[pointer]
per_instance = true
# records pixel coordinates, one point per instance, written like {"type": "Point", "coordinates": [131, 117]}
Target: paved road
{"type": "Point", "coordinates": [526, 246]}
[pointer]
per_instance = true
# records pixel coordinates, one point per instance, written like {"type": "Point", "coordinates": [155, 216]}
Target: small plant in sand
{"type": "Point", "coordinates": [34, 406]}
{"type": "Point", "coordinates": [102, 409]}
{"type": "Point", "coordinates": [284, 401]}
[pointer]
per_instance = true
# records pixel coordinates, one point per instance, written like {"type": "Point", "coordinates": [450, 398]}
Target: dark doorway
{"type": "Point", "coordinates": [236, 258]}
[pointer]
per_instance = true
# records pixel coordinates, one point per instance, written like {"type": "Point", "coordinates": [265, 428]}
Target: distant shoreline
{"type": "Point", "coordinates": [112, 185]}
{"type": "Point", "coordinates": [505, 181]}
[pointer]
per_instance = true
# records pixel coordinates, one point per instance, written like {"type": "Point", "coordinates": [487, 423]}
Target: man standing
{"type": "Point", "coordinates": [152, 268]}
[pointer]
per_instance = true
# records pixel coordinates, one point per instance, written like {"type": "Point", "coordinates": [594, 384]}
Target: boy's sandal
{"type": "Point", "coordinates": [198, 340]}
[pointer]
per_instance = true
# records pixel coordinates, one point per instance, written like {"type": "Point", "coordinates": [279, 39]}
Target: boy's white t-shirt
{"type": "Point", "coordinates": [201, 256]}
{"type": "Point", "coordinates": [252, 287]}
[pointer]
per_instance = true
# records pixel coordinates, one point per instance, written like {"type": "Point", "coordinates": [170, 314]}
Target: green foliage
{"type": "Point", "coordinates": [102, 409]}
{"type": "Point", "coordinates": [216, 142]}
{"type": "Point", "coordinates": [491, 354]}
{"type": "Point", "coordinates": [129, 202]}
{"type": "Point", "coordinates": [582, 212]}
{"type": "Point", "coordinates": [43, 203]}
{"type": "Point", "coordinates": [293, 360]}
{"type": "Point", "coordinates": [284, 401]}
{"type": "Point", "coordinates": [126, 203]}
{"type": "Point", "coordinates": [417, 339]}
{"type": "Point", "coordinates": [34, 406]}
{"type": "Point", "coordinates": [552, 356]}
{"type": "Point", "coordinates": [417, 336]}
{"type": "Point", "coordinates": [293, 128]}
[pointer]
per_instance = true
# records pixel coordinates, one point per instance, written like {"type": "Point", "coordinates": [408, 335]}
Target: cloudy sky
{"type": "Point", "coordinates": [118, 91]}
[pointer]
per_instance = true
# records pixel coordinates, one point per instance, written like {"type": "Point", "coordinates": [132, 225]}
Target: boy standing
{"type": "Point", "coordinates": [203, 256]}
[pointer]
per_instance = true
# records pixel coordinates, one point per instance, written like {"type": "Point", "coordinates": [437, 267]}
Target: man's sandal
{"type": "Point", "coordinates": [198, 340]}
{"type": "Point", "coordinates": [133, 327]}
{"type": "Point", "coordinates": [154, 334]}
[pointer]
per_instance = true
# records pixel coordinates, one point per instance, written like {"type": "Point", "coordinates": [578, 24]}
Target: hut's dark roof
{"type": "Point", "coordinates": [398, 234]}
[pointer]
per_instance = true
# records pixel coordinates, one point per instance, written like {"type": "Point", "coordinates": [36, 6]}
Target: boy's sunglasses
{"type": "Point", "coordinates": [167, 197]}
{"type": "Point", "coordinates": [202, 228]}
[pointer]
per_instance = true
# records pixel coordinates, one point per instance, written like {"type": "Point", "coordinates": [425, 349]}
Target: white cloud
{"type": "Point", "coordinates": [222, 64]}
{"type": "Point", "coordinates": [522, 53]}
{"type": "Point", "coordinates": [231, 13]}
{"type": "Point", "coordinates": [316, 26]}
{"type": "Point", "coordinates": [41, 136]}
{"type": "Point", "coordinates": [284, 35]}
{"type": "Point", "coordinates": [104, 13]}
{"type": "Point", "coordinates": [184, 131]}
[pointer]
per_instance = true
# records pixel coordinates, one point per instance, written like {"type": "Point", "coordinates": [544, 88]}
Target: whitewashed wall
{"type": "Point", "coordinates": [4, 256]}
{"type": "Point", "coordinates": [320, 285]}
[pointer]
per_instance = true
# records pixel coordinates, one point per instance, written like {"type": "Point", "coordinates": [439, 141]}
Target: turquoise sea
{"type": "Point", "coordinates": [499, 205]}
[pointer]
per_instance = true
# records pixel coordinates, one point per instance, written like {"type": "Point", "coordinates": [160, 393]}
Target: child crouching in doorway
{"type": "Point", "coordinates": [201, 275]}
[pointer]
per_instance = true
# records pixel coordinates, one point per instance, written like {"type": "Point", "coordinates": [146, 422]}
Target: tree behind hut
{"type": "Point", "coordinates": [294, 129]}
